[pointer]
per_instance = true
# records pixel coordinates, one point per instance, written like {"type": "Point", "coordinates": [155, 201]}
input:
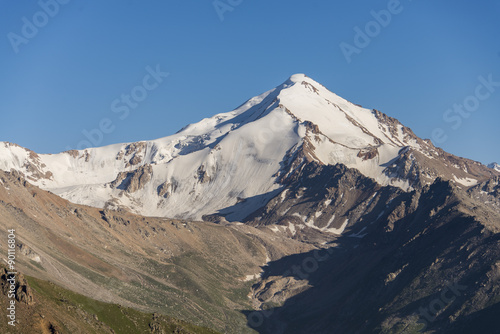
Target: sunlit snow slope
{"type": "Point", "coordinates": [239, 156]}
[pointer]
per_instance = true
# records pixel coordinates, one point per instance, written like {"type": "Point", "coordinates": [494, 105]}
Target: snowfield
{"type": "Point", "coordinates": [209, 166]}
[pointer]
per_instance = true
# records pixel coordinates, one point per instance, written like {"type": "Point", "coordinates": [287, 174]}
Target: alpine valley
{"type": "Point", "coordinates": [297, 212]}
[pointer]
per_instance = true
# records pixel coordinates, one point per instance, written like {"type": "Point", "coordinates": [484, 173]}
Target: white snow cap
{"type": "Point", "coordinates": [299, 77]}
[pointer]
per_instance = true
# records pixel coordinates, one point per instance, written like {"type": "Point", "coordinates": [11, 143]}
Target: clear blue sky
{"type": "Point", "coordinates": [64, 77]}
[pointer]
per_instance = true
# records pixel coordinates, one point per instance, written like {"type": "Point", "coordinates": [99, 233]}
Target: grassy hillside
{"type": "Point", "coordinates": [53, 309]}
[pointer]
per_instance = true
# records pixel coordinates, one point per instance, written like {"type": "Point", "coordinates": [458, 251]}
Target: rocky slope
{"type": "Point", "coordinates": [195, 271]}
{"type": "Point", "coordinates": [429, 264]}
{"type": "Point", "coordinates": [405, 262]}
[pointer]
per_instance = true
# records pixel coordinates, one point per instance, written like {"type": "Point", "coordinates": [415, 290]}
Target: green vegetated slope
{"type": "Point", "coordinates": [48, 308]}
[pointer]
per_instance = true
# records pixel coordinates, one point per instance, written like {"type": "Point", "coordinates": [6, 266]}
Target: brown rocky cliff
{"type": "Point", "coordinates": [135, 180]}
{"type": "Point", "coordinates": [22, 289]}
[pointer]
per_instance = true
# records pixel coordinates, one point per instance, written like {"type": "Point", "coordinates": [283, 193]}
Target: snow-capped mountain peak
{"type": "Point", "coordinates": [494, 166]}
{"type": "Point", "coordinates": [245, 155]}
{"type": "Point", "coordinates": [299, 77]}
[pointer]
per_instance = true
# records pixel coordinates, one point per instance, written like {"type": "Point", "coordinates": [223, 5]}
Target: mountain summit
{"type": "Point", "coordinates": [494, 166]}
{"type": "Point", "coordinates": [244, 156]}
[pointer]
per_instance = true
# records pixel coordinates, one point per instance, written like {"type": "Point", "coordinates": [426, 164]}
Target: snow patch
{"type": "Point", "coordinates": [466, 181]}
{"type": "Point", "coordinates": [339, 230]}
{"type": "Point", "coordinates": [251, 277]}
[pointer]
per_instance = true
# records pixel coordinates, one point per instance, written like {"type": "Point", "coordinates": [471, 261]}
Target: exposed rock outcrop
{"type": "Point", "coordinates": [133, 181]}
{"type": "Point", "coordinates": [23, 293]}
{"type": "Point", "coordinates": [166, 188]}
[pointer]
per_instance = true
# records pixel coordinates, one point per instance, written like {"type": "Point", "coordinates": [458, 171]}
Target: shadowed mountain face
{"type": "Point", "coordinates": [433, 263]}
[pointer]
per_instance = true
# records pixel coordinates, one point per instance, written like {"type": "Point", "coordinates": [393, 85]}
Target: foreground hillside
{"type": "Point", "coordinates": [195, 271]}
{"type": "Point", "coordinates": [44, 307]}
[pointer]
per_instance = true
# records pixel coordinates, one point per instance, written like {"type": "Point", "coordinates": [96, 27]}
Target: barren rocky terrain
{"type": "Point", "coordinates": [427, 260]}
{"type": "Point", "coordinates": [196, 271]}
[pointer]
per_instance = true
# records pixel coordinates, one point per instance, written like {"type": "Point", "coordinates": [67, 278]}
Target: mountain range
{"type": "Point", "coordinates": [315, 214]}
